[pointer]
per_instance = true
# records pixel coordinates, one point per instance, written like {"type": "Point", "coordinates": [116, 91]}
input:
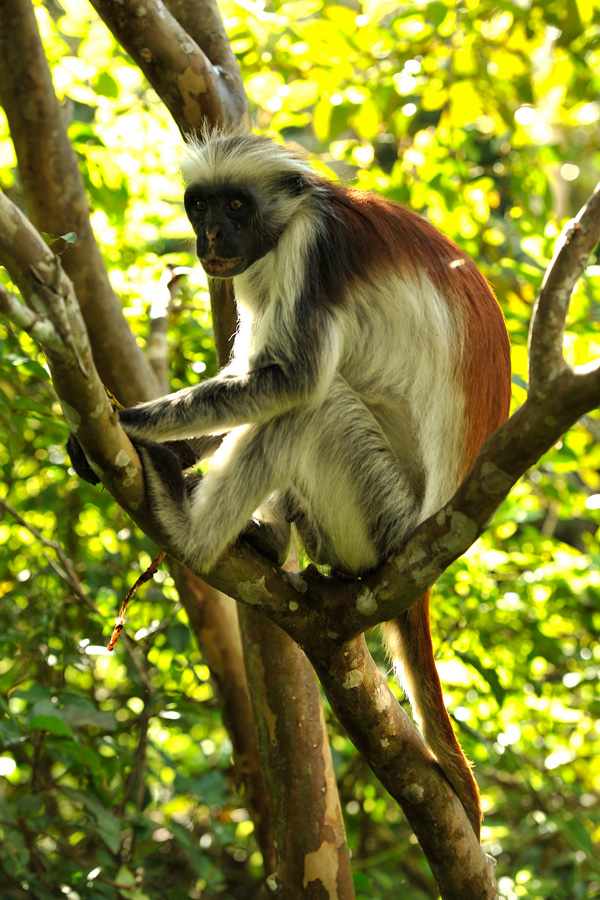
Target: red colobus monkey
{"type": "Point", "coordinates": [371, 363]}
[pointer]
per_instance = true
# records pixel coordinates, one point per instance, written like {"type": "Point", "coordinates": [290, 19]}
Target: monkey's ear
{"type": "Point", "coordinates": [295, 185]}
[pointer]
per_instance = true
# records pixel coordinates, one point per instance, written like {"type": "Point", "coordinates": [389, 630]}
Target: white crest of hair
{"type": "Point", "coordinates": [219, 156]}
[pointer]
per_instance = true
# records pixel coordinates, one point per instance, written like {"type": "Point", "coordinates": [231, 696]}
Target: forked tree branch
{"type": "Point", "coordinates": [189, 81]}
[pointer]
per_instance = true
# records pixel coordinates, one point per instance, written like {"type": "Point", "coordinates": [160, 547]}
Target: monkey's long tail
{"type": "Point", "coordinates": [408, 640]}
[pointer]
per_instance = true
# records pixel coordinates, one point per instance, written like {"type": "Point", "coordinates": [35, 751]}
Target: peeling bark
{"type": "Point", "coordinates": [312, 854]}
{"type": "Point", "coordinates": [188, 81]}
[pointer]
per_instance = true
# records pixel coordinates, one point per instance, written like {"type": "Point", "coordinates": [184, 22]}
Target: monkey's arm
{"type": "Point", "coordinates": [296, 366]}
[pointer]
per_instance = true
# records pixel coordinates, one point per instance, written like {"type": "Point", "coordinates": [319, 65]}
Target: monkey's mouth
{"type": "Point", "coordinates": [223, 268]}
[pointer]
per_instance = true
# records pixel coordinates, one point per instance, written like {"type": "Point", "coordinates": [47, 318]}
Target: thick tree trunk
{"type": "Point", "coordinates": [312, 853]}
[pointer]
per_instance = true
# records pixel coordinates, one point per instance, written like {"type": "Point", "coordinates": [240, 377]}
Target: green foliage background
{"type": "Point", "coordinates": [115, 770]}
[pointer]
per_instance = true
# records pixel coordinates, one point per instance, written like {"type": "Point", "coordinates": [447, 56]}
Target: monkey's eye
{"type": "Point", "coordinates": [235, 204]}
{"type": "Point", "coordinates": [200, 205]}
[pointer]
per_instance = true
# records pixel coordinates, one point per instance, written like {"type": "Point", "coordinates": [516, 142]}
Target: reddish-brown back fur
{"type": "Point", "coordinates": [402, 241]}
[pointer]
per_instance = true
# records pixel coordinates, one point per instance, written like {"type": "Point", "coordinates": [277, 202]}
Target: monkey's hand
{"type": "Point", "coordinates": [272, 539]}
{"type": "Point", "coordinates": [79, 460]}
{"type": "Point", "coordinates": [187, 454]}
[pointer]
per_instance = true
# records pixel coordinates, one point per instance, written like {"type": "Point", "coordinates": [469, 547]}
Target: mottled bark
{"type": "Point", "coordinates": [388, 740]}
{"type": "Point", "coordinates": [188, 81]}
{"type": "Point", "coordinates": [202, 22]}
{"type": "Point", "coordinates": [311, 850]}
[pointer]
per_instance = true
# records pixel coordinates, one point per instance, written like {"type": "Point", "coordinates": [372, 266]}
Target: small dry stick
{"type": "Point", "coordinates": [144, 577]}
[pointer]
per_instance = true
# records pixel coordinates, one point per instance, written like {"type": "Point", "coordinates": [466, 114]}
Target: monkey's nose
{"type": "Point", "coordinates": [213, 234]}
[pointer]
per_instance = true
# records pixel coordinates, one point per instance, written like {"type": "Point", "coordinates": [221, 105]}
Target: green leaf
{"type": "Point", "coordinates": [580, 838]}
{"type": "Point", "coordinates": [178, 636]}
{"type": "Point", "coordinates": [490, 675]}
{"type": "Point", "coordinates": [106, 85]}
{"type": "Point", "coordinates": [52, 724]}
{"type": "Point", "coordinates": [108, 826]}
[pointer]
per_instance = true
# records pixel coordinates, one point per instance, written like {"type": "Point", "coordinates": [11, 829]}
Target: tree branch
{"type": "Point", "coordinates": [203, 23]}
{"type": "Point", "coordinates": [185, 78]}
{"type": "Point", "coordinates": [572, 251]}
{"type": "Point", "coordinates": [394, 749]}
{"type": "Point", "coordinates": [41, 280]}
{"type": "Point", "coordinates": [38, 327]}
{"type": "Point", "coordinates": [56, 197]}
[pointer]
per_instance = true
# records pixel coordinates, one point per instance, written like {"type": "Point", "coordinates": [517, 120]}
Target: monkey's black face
{"type": "Point", "coordinates": [227, 223]}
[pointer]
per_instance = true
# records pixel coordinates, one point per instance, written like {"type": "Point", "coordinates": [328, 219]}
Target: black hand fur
{"type": "Point", "coordinates": [79, 461]}
{"type": "Point", "coordinates": [185, 454]}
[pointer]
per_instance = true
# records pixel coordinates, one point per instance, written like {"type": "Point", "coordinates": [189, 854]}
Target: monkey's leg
{"type": "Point", "coordinates": [357, 500]}
{"type": "Point", "coordinates": [202, 516]}
{"type": "Point", "coordinates": [344, 473]}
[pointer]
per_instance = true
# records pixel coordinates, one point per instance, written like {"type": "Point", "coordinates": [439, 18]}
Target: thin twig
{"type": "Point", "coordinates": [144, 577]}
{"type": "Point", "coordinates": [67, 574]}
{"type": "Point", "coordinates": [40, 328]}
